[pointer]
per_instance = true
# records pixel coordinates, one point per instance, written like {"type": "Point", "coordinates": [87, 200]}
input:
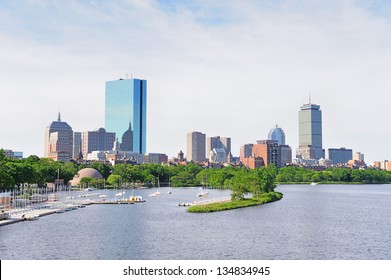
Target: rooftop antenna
{"type": "Point", "coordinates": [309, 98]}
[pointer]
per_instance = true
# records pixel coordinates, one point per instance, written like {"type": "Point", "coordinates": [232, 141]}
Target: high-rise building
{"type": "Point", "coordinates": [126, 107]}
{"type": "Point", "coordinates": [58, 141]}
{"type": "Point", "coordinates": [341, 155]}
{"type": "Point", "coordinates": [196, 146]}
{"type": "Point", "coordinates": [218, 146]}
{"type": "Point", "coordinates": [77, 144]}
{"type": "Point", "coordinates": [277, 134]}
{"type": "Point", "coordinates": [286, 155]}
{"type": "Point", "coordinates": [98, 140]}
{"type": "Point", "coordinates": [310, 132]}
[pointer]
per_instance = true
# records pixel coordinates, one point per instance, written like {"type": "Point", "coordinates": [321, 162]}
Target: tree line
{"type": "Point", "coordinates": [14, 173]}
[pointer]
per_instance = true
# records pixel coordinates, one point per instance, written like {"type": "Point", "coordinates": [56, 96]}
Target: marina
{"type": "Point", "coordinates": [18, 210]}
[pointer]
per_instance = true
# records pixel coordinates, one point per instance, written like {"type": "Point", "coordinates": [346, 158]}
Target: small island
{"type": "Point", "coordinates": [258, 182]}
{"type": "Point", "coordinates": [237, 203]}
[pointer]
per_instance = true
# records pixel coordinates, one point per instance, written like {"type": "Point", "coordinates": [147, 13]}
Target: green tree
{"type": "Point", "coordinates": [104, 169]}
{"type": "Point", "coordinates": [114, 180]}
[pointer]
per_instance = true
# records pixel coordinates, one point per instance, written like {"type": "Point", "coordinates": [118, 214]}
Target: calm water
{"type": "Point", "coordinates": [310, 222]}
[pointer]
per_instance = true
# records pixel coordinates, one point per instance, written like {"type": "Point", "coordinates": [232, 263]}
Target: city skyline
{"type": "Point", "coordinates": [230, 69]}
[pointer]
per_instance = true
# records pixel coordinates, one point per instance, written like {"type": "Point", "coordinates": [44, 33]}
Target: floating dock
{"type": "Point", "coordinates": [118, 202]}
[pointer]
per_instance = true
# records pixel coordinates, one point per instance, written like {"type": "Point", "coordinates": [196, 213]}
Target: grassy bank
{"type": "Point", "coordinates": [247, 202]}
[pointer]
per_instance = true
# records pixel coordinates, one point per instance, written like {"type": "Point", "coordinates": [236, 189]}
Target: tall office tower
{"type": "Point", "coordinates": [77, 144]}
{"type": "Point", "coordinates": [310, 132]}
{"type": "Point", "coordinates": [126, 106]}
{"type": "Point", "coordinates": [218, 144]}
{"type": "Point", "coordinates": [277, 134]}
{"type": "Point", "coordinates": [58, 141]}
{"type": "Point", "coordinates": [98, 140]}
{"type": "Point", "coordinates": [196, 146]}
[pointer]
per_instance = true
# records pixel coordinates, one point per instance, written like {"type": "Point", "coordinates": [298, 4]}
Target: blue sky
{"type": "Point", "coordinates": [228, 68]}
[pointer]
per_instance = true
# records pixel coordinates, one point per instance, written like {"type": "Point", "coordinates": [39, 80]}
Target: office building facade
{"type": "Point", "coordinates": [126, 108]}
{"type": "Point", "coordinates": [358, 156]}
{"type": "Point", "coordinates": [246, 151]}
{"type": "Point", "coordinates": [263, 153]}
{"type": "Point", "coordinates": [310, 132]}
{"type": "Point", "coordinates": [286, 155]}
{"type": "Point", "coordinates": [196, 146]}
{"type": "Point", "coordinates": [98, 140]}
{"type": "Point", "coordinates": [12, 154]}
{"type": "Point", "coordinates": [340, 156]}
{"type": "Point", "coordinates": [77, 144]}
{"type": "Point", "coordinates": [215, 147]}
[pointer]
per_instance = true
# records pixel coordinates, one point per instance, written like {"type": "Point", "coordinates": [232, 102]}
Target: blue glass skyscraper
{"type": "Point", "coordinates": [125, 107]}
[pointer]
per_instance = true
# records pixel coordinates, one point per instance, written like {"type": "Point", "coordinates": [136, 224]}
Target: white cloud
{"type": "Point", "coordinates": [234, 69]}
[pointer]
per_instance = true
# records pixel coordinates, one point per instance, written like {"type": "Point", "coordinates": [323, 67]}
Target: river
{"type": "Point", "coordinates": [310, 222]}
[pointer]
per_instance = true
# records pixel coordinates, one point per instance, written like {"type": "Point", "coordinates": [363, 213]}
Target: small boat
{"type": "Point", "coordinates": [136, 198]}
{"type": "Point", "coordinates": [314, 184]}
{"type": "Point", "coordinates": [169, 192]}
{"type": "Point", "coordinates": [202, 194]}
{"type": "Point", "coordinates": [30, 217]}
{"type": "Point", "coordinates": [154, 194]}
{"type": "Point", "coordinates": [157, 192]}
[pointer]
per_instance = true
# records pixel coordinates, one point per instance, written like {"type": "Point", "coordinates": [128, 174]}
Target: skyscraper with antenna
{"type": "Point", "coordinates": [310, 132]}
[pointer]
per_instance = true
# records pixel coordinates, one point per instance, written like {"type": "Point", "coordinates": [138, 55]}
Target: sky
{"type": "Point", "coordinates": [225, 68]}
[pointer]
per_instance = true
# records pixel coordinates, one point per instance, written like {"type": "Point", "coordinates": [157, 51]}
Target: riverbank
{"type": "Point", "coordinates": [230, 205]}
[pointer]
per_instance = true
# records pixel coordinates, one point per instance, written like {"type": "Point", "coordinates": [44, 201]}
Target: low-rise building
{"type": "Point", "coordinates": [340, 156]}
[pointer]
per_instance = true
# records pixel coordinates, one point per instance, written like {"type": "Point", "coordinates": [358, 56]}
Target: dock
{"type": "Point", "coordinates": [27, 214]}
{"type": "Point", "coordinates": [118, 202]}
